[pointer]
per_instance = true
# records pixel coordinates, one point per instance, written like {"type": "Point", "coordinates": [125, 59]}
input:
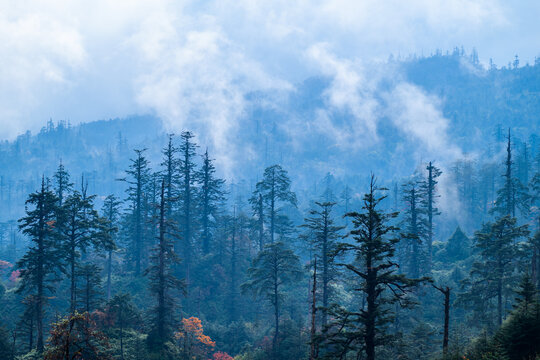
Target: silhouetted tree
{"type": "Point", "coordinates": [40, 264]}
{"type": "Point", "coordinates": [137, 180]}
{"type": "Point", "coordinates": [372, 252]}
{"type": "Point", "coordinates": [274, 188]}
{"type": "Point", "coordinates": [210, 195]}
{"type": "Point", "coordinates": [274, 267]}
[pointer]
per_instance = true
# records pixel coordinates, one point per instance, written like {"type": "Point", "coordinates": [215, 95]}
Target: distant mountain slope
{"type": "Point", "coordinates": [480, 104]}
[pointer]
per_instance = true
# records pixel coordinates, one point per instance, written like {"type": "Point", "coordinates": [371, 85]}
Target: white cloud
{"type": "Point", "coordinates": [193, 62]}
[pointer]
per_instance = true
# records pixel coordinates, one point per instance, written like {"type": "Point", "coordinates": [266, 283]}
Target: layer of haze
{"type": "Point", "coordinates": [192, 63]}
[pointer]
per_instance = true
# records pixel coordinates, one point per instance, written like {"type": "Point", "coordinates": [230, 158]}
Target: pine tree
{"type": "Point", "coordinates": [497, 244]}
{"type": "Point", "coordinates": [62, 184]}
{"type": "Point", "coordinates": [458, 246]}
{"type": "Point", "coordinates": [170, 167]}
{"type": "Point", "coordinates": [123, 315]}
{"type": "Point", "coordinates": [273, 189]}
{"type": "Point", "coordinates": [210, 195]}
{"type": "Point", "coordinates": [111, 212]}
{"type": "Point", "coordinates": [40, 263]}
{"type": "Point", "coordinates": [512, 194]}
{"type": "Point", "coordinates": [429, 204]}
{"type": "Point", "coordinates": [81, 227]}
{"type": "Point", "coordinates": [372, 252]}
{"type": "Point", "coordinates": [187, 193]}
{"type": "Point", "coordinates": [163, 283]}
{"type": "Point", "coordinates": [322, 233]}
{"type": "Point", "coordinates": [273, 268]}
{"type": "Point", "coordinates": [257, 205]}
{"type": "Point", "coordinates": [415, 223]}
{"type": "Point", "coordinates": [137, 180]}
{"type": "Point", "coordinates": [89, 290]}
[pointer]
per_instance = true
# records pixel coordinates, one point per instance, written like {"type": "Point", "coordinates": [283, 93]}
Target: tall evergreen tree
{"type": "Point", "coordinates": [273, 268]}
{"type": "Point", "coordinates": [274, 188]}
{"type": "Point", "coordinates": [137, 180]}
{"type": "Point", "coordinates": [62, 184]}
{"type": "Point", "coordinates": [257, 205]}
{"type": "Point", "coordinates": [323, 235]}
{"type": "Point", "coordinates": [372, 253]}
{"type": "Point", "coordinates": [415, 226]}
{"type": "Point", "coordinates": [187, 192]}
{"type": "Point", "coordinates": [89, 290]}
{"type": "Point", "coordinates": [429, 204]}
{"type": "Point", "coordinates": [170, 167]}
{"type": "Point", "coordinates": [111, 212]}
{"type": "Point", "coordinates": [210, 195]}
{"type": "Point", "coordinates": [498, 247]}
{"type": "Point", "coordinates": [163, 283]}
{"type": "Point", "coordinates": [81, 228]}
{"type": "Point", "coordinates": [512, 195]}
{"type": "Point", "coordinates": [40, 263]}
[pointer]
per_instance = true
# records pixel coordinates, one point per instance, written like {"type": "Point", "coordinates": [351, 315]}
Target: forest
{"type": "Point", "coordinates": [119, 241]}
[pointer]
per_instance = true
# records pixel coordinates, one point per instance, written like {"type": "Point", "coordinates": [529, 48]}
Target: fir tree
{"type": "Point", "coordinates": [89, 291]}
{"type": "Point", "coordinates": [498, 248]}
{"type": "Point", "coordinates": [111, 212]}
{"type": "Point", "coordinates": [62, 183]}
{"type": "Point", "coordinates": [429, 204]}
{"type": "Point", "coordinates": [274, 188]}
{"type": "Point", "coordinates": [273, 268]}
{"type": "Point", "coordinates": [40, 263]}
{"type": "Point", "coordinates": [187, 192]}
{"type": "Point", "coordinates": [415, 226]}
{"type": "Point", "coordinates": [210, 195]}
{"type": "Point", "coordinates": [512, 194]}
{"type": "Point", "coordinates": [137, 180]}
{"type": "Point", "coordinates": [323, 234]}
{"type": "Point", "coordinates": [163, 283]}
{"type": "Point", "coordinates": [372, 252]}
{"type": "Point", "coordinates": [81, 228]}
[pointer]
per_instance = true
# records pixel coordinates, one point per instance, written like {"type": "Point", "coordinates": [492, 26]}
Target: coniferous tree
{"type": "Point", "coordinates": [273, 189]}
{"type": "Point", "coordinates": [162, 280]}
{"type": "Point", "coordinates": [512, 195]}
{"type": "Point", "coordinates": [62, 183]}
{"type": "Point", "coordinates": [40, 263]}
{"type": "Point", "coordinates": [429, 204]}
{"type": "Point", "coordinates": [322, 233]}
{"type": "Point", "coordinates": [123, 315]}
{"type": "Point", "coordinates": [210, 195]}
{"type": "Point", "coordinates": [257, 205]}
{"type": "Point", "coordinates": [170, 168]}
{"type": "Point", "coordinates": [111, 212]}
{"type": "Point", "coordinates": [273, 268]}
{"type": "Point", "coordinates": [187, 193]}
{"type": "Point", "coordinates": [498, 247]}
{"type": "Point", "coordinates": [373, 251]}
{"type": "Point", "coordinates": [81, 228]}
{"type": "Point", "coordinates": [137, 180]}
{"type": "Point", "coordinates": [89, 290]}
{"type": "Point", "coordinates": [415, 226]}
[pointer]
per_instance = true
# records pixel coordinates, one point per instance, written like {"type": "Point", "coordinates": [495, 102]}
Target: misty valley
{"type": "Point", "coordinates": [301, 233]}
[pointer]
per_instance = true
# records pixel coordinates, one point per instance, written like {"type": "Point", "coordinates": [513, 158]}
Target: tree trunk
{"type": "Point", "coordinates": [109, 273]}
{"type": "Point", "coordinates": [313, 353]}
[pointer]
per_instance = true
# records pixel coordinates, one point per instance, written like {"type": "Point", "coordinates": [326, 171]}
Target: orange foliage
{"type": "Point", "coordinates": [193, 339]}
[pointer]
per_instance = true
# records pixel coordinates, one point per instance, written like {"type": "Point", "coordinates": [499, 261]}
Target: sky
{"type": "Point", "coordinates": [192, 62]}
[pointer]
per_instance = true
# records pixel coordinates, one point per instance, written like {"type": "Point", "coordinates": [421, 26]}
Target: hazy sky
{"type": "Point", "coordinates": [83, 61]}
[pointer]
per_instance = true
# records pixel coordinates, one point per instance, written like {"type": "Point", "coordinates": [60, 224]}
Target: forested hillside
{"type": "Point", "coordinates": [122, 240]}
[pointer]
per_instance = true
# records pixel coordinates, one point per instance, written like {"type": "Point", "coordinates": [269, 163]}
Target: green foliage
{"type": "Point", "coordinates": [458, 247]}
{"type": "Point", "coordinates": [5, 347]}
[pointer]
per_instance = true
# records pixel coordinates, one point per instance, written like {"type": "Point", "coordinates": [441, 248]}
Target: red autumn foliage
{"type": "Point", "coordinates": [15, 276]}
{"type": "Point", "coordinates": [222, 356]}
